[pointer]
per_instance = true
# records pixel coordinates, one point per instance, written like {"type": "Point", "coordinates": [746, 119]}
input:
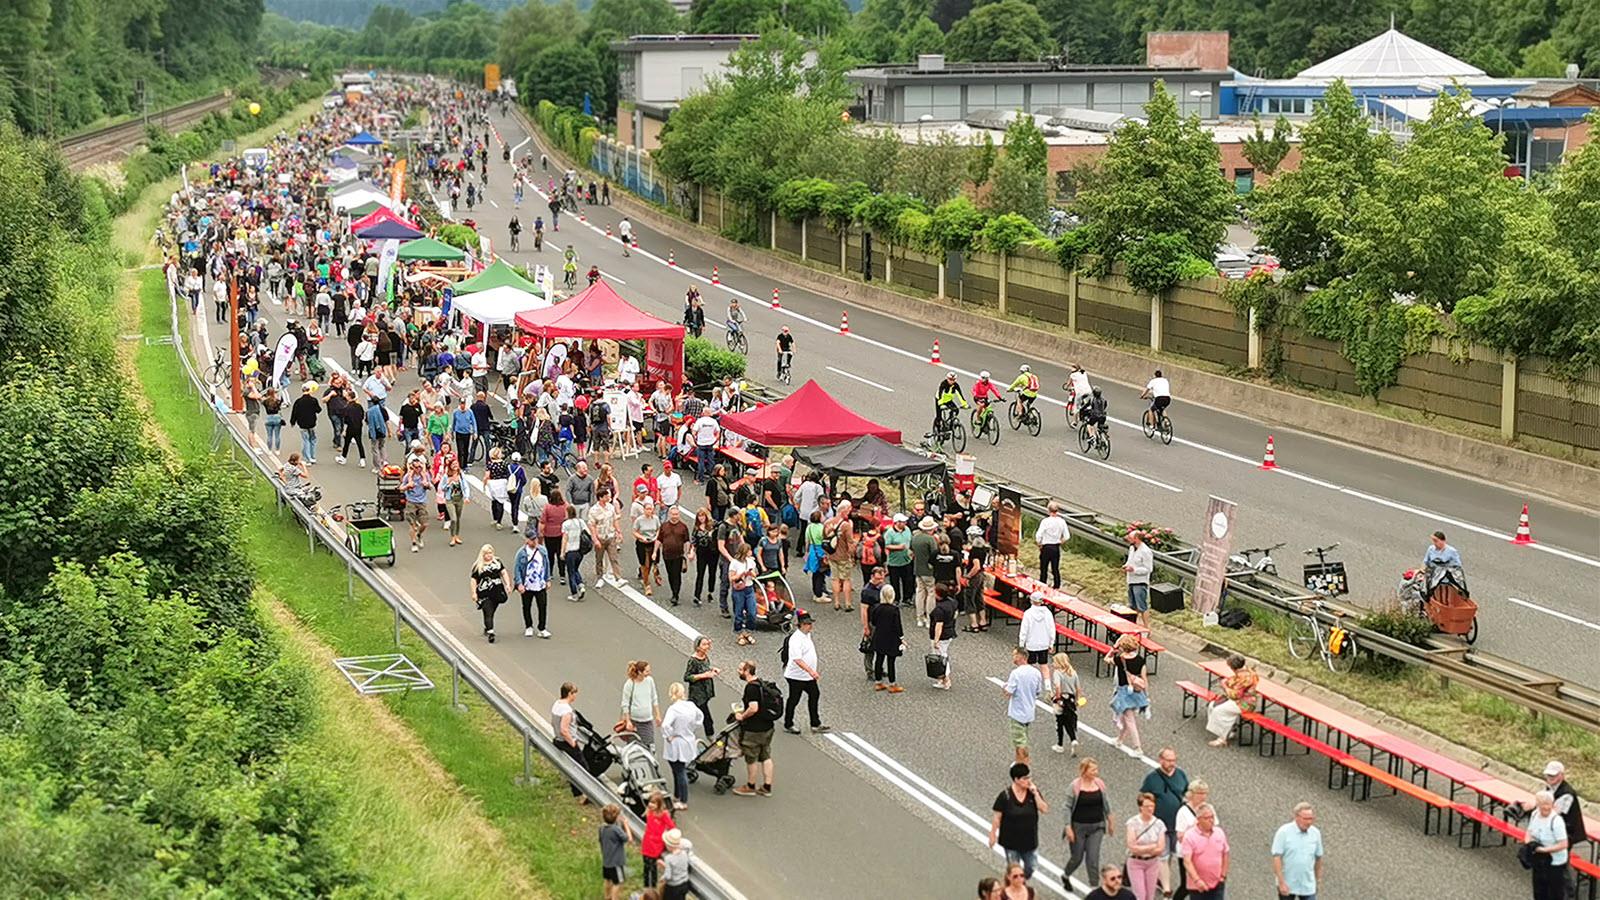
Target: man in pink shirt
{"type": "Point", "coordinates": [1204, 850]}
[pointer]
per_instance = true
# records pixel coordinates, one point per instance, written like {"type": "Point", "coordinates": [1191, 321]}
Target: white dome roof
{"type": "Point", "coordinates": [1392, 55]}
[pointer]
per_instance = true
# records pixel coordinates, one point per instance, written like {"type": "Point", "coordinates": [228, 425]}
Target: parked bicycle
{"type": "Point", "coordinates": [1095, 440]}
{"type": "Point", "coordinates": [1245, 561]}
{"type": "Point", "coordinates": [1307, 635]}
{"type": "Point", "coordinates": [219, 371]}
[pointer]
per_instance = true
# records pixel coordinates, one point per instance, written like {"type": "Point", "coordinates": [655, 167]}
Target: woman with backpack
{"type": "Point", "coordinates": [870, 553]}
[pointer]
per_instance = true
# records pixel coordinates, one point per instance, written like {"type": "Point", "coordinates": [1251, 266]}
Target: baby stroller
{"type": "Point", "coordinates": [716, 758]}
{"type": "Point", "coordinates": [641, 775]}
{"type": "Point", "coordinates": [774, 601]}
{"type": "Point", "coordinates": [592, 746]}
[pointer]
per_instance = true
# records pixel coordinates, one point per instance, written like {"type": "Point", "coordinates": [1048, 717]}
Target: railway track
{"type": "Point", "coordinates": [117, 141]}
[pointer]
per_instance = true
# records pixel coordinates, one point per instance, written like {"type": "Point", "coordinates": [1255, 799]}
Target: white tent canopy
{"type": "Point", "coordinates": [340, 176]}
{"type": "Point", "coordinates": [352, 199]}
{"type": "Point", "coordinates": [497, 306]}
{"type": "Point", "coordinates": [1392, 55]}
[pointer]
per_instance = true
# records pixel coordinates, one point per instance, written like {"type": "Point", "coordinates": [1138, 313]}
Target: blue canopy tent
{"type": "Point", "coordinates": [363, 139]}
{"type": "Point", "coordinates": [388, 229]}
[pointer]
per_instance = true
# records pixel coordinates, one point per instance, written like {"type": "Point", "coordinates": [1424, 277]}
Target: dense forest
{"type": "Point", "coordinates": [69, 63]}
{"type": "Point", "coordinates": [354, 13]}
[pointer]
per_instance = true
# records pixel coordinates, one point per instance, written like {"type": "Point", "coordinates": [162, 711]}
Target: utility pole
{"type": "Point", "coordinates": [237, 399]}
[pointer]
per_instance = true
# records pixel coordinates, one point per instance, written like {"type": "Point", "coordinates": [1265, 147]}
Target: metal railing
{"type": "Point", "coordinates": [535, 729]}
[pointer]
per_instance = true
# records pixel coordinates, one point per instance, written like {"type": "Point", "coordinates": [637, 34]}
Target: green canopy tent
{"type": "Point", "coordinates": [430, 250]}
{"type": "Point", "coordinates": [498, 275]}
{"type": "Point", "coordinates": [495, 295]}
{"type": "Point", "coordinates": [364, 209]}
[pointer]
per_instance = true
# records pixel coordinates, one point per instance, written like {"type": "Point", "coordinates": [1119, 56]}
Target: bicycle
{"type": "Point", "coordinates": [1243, 561]}
{"type": "Point", "coordinates": [785, 361]}
{"type": "Point", "coordinates": [986, 425]}
{"type": "Point", "coordinates": [736, 340]}
{"type": "Point", "coordinates": [1024, 414]}
{"type": "Point", "coordinates": [514, 241]}
{"type": "Point", "coordinates": [569, 279]}
{"type": "Point", "coordinates": [1336, 646]}
{"type": "Point", "coordinates": [1325, 578]}
{"type": "Point", "coordinates": [948, 430]}
{"type": "Point", "coordinates": [1156, 422]}
{"type": "Point", "coordinates": [1097, 441]}
{"type": "Point", "coordinates": [219, 371]}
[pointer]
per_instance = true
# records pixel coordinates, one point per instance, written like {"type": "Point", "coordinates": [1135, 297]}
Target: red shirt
{"type": "Point", "coordinates": [655, 825]}
{"type": "Point", "coordinates": [982, 389]}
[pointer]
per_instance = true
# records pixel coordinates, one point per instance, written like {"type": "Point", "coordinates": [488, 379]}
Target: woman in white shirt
{"type": "Point", "coordinates": [1146, 840]}
{"type": "Point", "coordinates": [641, 708]}
{"type": "Point", "coordinates": [741, 583]}
{"type": "Point", "coordinates": [678, 730]}
{"type": "Point", "coordinates": [1547, 833]}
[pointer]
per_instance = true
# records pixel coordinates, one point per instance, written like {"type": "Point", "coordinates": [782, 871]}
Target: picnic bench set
{"type": "Point", "coordinates": [1094, 629]}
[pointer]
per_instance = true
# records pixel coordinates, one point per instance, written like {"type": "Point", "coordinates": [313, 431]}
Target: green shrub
{"type": "Point", "coordinates": [706, 363]}
{"type": "Point", "coordinates": [1004, 233]}
{"type": "Point", "coordinates": [1395, 622]}
{"type": "Point", "coordinates": [460, 236]}
{"type": "Point", "coordinates": [955, 225]}
{"type": "Point", "coordinates": [880, 212]}
{"type": "Point", "coordinates": [911, 228]}
{"type": "Point", "coordinates": [802, 198]}
{"type": "Point", "coordinates": [1162, 260]}
{"type": "Point", "coordinates": [840, 207]}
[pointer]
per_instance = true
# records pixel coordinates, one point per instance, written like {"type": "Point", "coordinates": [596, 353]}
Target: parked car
{"type": "Point", "coordinates": [1232, 262]}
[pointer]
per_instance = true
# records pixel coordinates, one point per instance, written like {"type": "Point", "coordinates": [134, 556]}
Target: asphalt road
{"type": "Point", "coordinates": [1539, 605]}
{"type": "Point", "coordinates": [895, 802]}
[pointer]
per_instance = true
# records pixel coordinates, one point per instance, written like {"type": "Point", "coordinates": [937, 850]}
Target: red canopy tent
{"type": "Point", "coordinates": [381, 214]}
{"type": "Point", "coordinates": [809, 417]}
{"type": "Point", "coordinates": [597, 312]}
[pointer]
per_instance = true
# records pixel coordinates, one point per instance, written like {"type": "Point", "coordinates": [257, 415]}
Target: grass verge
{"type": "Point", "coordinates": [540, 823]}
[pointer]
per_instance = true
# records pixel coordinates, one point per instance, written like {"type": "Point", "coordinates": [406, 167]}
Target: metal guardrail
{"type": "Point", "coordinates": [535, 729]}
{"type": "Point", "coordinates": [1539, 692]}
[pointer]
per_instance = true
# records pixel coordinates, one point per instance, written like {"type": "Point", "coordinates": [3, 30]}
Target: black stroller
{"type": "Point", "coordinates": [641, 774]}
{"type": "Point", "coordinates": [716, 759]}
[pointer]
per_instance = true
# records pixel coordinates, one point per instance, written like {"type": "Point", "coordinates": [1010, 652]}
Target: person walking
{"type": "Point", "coordinates": [491, 585]}
{"type": "Point", "coordinates": [1548, 838]}
{"type": "Point", "coordinates": [1240, 697]}
{"type": "Point", "coordinates": [564, 722]}
{"type": "Point", "coordinates": [1050, 535]}
{"type": "Point", "coordinates": [800, 670]}
{"type": "Point", "coordinates": [672, 546]}
{"type": "Point", "coordinates": [887, 636]}
{"type": "Point", "coordinates": [1168, 784]}
{"type": "Point", "coordinates": [756, 712]}
{"type": "Point", "coordinates": [1205, 855]}
{"type": "Point", "coordinates": [464, 426]}
{"type": "Point", "coordinates": [573, 533]}
{"type": "Point", "coordinates": [1570, 808]}
{"type": "Point", "coordinates": [272, 408]}
{"type": "Point", "coordinates": [1066, 695]}
{"type": "Point", "coordinates": [646, 529]}
{"type": "Point", "coordinates": [741, 576]}
{"type": "Point", "coordinates": [841, 531]}
{"type": "Point", "coordinates": [924, 547]}
{"type": "Point", "coordinates": [1297, 855]}
{"type": "Point", "coordinates": [941, 629]}
{"type": "Point", "coordinates": [1015, 825]}
{"type": "Point", "coordinates": [1199, 793]}
{"type": "Point", "coordinates": [1131, 696]}
{"type": "Point", "coordinates": [549, 523]}
{"type": "Point", "coordinates": [453, 493]}
{"type": "Point", "coordinates": [1037, 633]}
{"type": "Point", "coordinates": [1145, 837]}
{"type": "Point", "coordinates": [706, 557]}
{"type": "Point", "coordinates": [415, 486]}
{"type": "Point", "coordinates": [1139, 565]}
{"type": "Point", "coordinates": [678, 726]}
{"type": "Point", "coordinates": [1088, 819]}
{"type": "Point", "coordinates": [496, 481]}
{"type": "Point", "coordinates": [1022, 688]}
{"type": "Point", "coordinates": [1110, 886]}
{"type": "Point", "coordinates": [602, 520]}
{"type": "Point", "coordinates": [641, 706]}
{"type": "Point", "coordinates": [303, 415]}
{"type": "Point", "coordinates": [532, 568]}
{"type": "Point", "coordinates": [701, 677]}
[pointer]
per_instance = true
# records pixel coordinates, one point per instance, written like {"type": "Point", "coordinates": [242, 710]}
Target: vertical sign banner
{"type": "Point", "coordinates": [1008, 538]}
{"type": "Point", "coordinates": [386, 260]}
{"type": "Point", "coordinates": [281, 358]}
{"type": "Point", "coordinates": [1212, 570]}
{"type": "Point", "coordinates": [397, 183]}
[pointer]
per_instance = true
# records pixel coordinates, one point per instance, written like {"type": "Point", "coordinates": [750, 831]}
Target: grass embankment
{"type": "Point", "coordinates": [544, 833]}
{"type": "Point", "coordinates": [1473, 719]}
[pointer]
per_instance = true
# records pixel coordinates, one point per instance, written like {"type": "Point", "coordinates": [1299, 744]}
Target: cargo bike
{"type": "Point", "coordinates": [367, 537]}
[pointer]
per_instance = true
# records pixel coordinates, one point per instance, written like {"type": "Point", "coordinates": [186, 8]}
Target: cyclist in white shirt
{"type": "Point", "coordinates": [1078, 384]}
{"type": "Point", "coordinates": [1159, 393]}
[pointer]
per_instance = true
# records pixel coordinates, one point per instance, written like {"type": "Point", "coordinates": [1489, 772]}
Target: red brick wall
{"type": "Point", "coordinates": [1187, 49]}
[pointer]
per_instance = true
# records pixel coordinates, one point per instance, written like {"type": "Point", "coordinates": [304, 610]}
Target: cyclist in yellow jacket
{"type": "Point", "coordinates": [1027, 386]}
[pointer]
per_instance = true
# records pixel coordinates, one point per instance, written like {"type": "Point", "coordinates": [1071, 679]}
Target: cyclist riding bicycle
{"type": "Point", "coordinates": [982, 390]}
{"type": "Point", "coordinates": [947, 399]}
{"type": "Point", "coordinates": [1078, 389]}
{"type": "Point", "coordinates": [515, 228]}
{"type": "Point", "coordinates": [569, 273]}
{"type": "Point", "coordinates": [594, 274]}
{"type": "Point", "coordinates": [736, 315]}
{"type": "Point", "coordinates": [1027, 386]}
{"type": "Point", "coordinates": [538, 233]}
{"type": "Point", "coordinates": [1094, 412]}
{"type": "Point", "coordinates": [785, 345]}
{"type": "Point", "coordinates": [1159, 393]}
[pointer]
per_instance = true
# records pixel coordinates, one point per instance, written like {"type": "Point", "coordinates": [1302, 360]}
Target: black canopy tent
{"type": "Point", "coordinates": [870, 457]}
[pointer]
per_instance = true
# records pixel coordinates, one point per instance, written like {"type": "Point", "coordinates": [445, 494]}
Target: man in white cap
{"type": "Point", "coordinates": [1037, 633]}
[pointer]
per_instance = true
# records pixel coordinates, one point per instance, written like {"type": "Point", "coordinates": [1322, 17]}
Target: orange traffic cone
{"type": "Point", "coordinates": [1270, 459]}
{"type": "Point", "coordinates": [934, 359]}
{"type": "Point", "coordinates": [608, 232]}
{"type": "Point", "coordinates": [844, 322]}
{"type": "Point", "coordinates": [670, 261]}
{"type": "Point", "coordinates": [636, 242]}
{"type": "Point", "coordinates": [714, 278]}
{"type": "Point", "coordinates": [1524, 535]}
{"type": "Point", "coordinates": [774, 298]}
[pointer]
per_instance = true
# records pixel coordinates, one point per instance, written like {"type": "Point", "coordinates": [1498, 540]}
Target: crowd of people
{"type": "Point", "coordinates": [541, 432]}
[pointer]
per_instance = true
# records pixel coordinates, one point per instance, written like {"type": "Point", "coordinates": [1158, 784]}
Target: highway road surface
{"type": "Point", "coordinates": [895, 802]}
{"type": "Point", "coordinates": [1540, 605]}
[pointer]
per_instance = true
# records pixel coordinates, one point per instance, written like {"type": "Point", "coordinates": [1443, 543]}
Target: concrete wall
{"type": "Point", "coordinates": [1553, 408]}
{"type": "Point", "coordinates": [671, 75]}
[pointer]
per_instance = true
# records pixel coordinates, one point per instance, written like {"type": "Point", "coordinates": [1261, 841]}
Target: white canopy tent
{"type": "Point", "coordinates": [337, 175]}
{"type": "Point", "coordinates": [498, 305]}
{"type": "Point", "coordinates": [353, 199]}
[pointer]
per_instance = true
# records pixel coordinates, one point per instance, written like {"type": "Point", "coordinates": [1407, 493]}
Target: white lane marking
{"type": "Point", "coordinates": [494, 204]}
{"type": "Point", "coordinates": [612, 277]}
{"type": "Point", "coordinates": [1560, 615]}
{"type": "Point", "coordinates": [1100, 735]}
{"type": "Point", "coordinates": [656, 609]}
{"type": "Point", "coordinates": [852, 375]}
{"type": "Point", "coordinates": [960, 823]}
{"type": "Point", "coordinates": [1215, 451]}
{"type": "Point", "coordinates": [517, 147]}
{"type": "Point", "coordinates": [1121, 471]}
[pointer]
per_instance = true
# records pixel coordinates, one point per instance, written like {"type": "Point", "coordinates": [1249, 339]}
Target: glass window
{"type": "Point", "coordinates": [946, 103]}
{"type": "Point", "coordinates": [1244, 180]}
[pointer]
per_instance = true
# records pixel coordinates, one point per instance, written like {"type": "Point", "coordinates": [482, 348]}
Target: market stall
{"type": "Point", "coordinates": [809, 417]}
{"type": "Point", "coordinates": [598, 312]}
{"type": "Point", "coordinates": [429, 250]}
{"type": "Point", "coordinates": [870, 456]}
{"type": "Point", "coordinates": [497, 295]}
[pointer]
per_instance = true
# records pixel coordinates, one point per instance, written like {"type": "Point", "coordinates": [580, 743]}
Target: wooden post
{"type": "Point", "coordinates": [1155, 321]}
{"type": "Point", "coordinates": [1254, 345]}
{"type": "Point", "coordinates": [1004, 275]}
{"type": "Point", "coordinates": [1508, 397]}
{"type": "Point", "coordinates": [700, 204]}
{"type": "Point", "coordinates": [803, 248]}
{"type": "Point", "coordinates": [772, 228]}
{"type": "Point", "coordinates": [941, 277]}
{"type": "Point", "coordinates": [1072, 301]}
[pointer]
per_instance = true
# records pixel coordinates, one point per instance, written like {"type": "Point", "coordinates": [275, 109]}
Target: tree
{"type": "Point", "coordinates": [981, 166]}
{"type": "Point", "coordinates": [1161, 176]}
{"type": "Point", "coordinates": [531, 27]}
{"type": "Point", "coordinates": [811, 17]}
{"type": "Point", "coordinates": [1303, 215]}
{"type": "Point", "coordinates": [629, 17]}
{"type": "Point", "coordinates": [1005, 31]}
{"type": "Point", "coordinates": [1543, 60]}
{"type": "Point", "coordinates": [1019, 180]}
{"type": "Point", "coordinates": [563, 73]}
{"type": "Point", "coordinates": [922, 37]}
{"type": "Point", "coordinates": [1265, 153]}
{"type": "Point", "coordinates": [882, 25]}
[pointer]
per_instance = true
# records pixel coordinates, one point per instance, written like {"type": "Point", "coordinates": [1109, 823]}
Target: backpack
{"type": "Point", "coordinates": [870, 555]}
{"type": "Point", "coordinates": [755, 523]}
{"type": "Point", "coordinates": [783, 649]}
{"type": "Point", "coordinates": [600, 414]}
{"type": "Point", "coordinates": [1233, 618]}
{"type": "Point", "coordinates": [771, 697]}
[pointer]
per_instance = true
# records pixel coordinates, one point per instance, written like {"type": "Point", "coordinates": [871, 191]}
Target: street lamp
{"type": "Point", "coordinates": [925, 117]}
